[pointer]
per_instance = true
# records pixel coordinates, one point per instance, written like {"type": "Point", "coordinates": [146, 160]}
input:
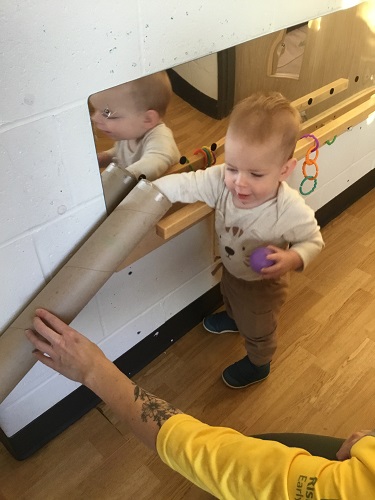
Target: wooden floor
{"type": "Point", "coordinates": [322, 381]}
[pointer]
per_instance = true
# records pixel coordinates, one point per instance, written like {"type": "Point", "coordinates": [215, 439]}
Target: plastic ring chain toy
{"type": "Point", "coordinates": [315, 139]}
{"type": "Point", "coordinates": [309, 162]}
{"type": "Point", "coordinates": [208, 155]}
{"type": "Point", "coordinates": [311, 190]}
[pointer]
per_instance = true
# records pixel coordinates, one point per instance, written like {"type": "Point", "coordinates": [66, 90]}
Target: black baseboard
{"type": "Point", "coordinates": [67, 411]}
{"type": "Point", "coordinates": [51, 423]}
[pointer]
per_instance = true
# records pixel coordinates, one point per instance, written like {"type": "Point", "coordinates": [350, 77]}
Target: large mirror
{"type": "Point", "coordinates": [294, 61]}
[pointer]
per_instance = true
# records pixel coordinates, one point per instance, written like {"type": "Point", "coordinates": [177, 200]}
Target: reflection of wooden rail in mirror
{"type": "Point", "coordinates": [325, 126]}
{"type": "Point", "coordinates": [321, 94]}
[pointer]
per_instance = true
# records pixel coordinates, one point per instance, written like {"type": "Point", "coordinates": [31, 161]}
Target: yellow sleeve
{"type": "Point", "coordinates": [232, 466]}
{"type": "Point", "coordinates": [224, 462]}
{"type": "Point", "coordinates": [317, 479]}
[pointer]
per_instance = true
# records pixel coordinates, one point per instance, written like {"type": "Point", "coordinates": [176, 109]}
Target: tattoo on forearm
{"type": "Point", "coordinates": [154, 408]}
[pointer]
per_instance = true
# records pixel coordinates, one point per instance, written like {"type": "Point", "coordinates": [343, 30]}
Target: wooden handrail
{"type": "Point", "coordinates": [337, 126]}
{"type": "Point", "coordinates": [174, 224]}
{"type": "Point", "coordinates": [317, 121]}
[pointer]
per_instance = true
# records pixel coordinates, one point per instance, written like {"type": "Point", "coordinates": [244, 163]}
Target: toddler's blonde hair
{"type": "Point", "coordinates": [263, 116]}
{"type": "Point", "coordinates": [150, 92]}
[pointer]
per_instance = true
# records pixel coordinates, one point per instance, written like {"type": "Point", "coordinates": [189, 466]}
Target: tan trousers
{"type": "Point", "coordinates": [255, 307]}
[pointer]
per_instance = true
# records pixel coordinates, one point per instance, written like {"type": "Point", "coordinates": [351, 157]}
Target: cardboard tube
{"type": "Point", "coordinates": [82, 276]}
{"type": "Point", "coordinates": [116, 185]}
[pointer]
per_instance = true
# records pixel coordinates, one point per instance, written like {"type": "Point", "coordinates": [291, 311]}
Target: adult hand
{"type": "Point", "coordinates": [62, 348]}
{"type": "Point", "coordinates": [285, 260]}
{"type": "Point", "coordinates": [344, 451]}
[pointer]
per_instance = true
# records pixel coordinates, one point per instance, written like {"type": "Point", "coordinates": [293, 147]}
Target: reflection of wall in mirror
{"type": "Point", "coordinates": [201, 74]}
{"type": "Point", "coordinates": [339, 45]}
{"type": "Point", "coordinates": [290, 53]}
{"type": "Point", "coordinates": [207, 83]}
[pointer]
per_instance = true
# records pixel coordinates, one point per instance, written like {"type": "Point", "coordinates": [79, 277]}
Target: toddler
{"type": "Point", "coordinates": [132, 115]}
{"type": "Point", "coordinates": [254, 207]}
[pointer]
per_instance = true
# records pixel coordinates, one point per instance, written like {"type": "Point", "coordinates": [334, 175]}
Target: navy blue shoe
{"type": "Point", "coordinates": [244, 373]}
{"type": "Point", "coordinates": [220, 323]}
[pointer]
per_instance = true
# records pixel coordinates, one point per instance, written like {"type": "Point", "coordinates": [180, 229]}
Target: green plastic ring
{"type": "Point", "coordinates": [309, 178]}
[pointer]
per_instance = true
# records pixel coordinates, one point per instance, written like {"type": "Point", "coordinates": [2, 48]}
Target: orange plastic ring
{"type": "Point", "coordinates": [200, 150]}
{"type": "Point", "coordinates": [311, 161]}
{"type": "Point", "coordinates": [312, 178]}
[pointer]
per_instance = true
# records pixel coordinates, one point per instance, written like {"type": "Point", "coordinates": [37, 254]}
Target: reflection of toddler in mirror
{"type": "Point", "coordinates": [131, 114]}
{"type": "Point", "coordinates": [254, 207]}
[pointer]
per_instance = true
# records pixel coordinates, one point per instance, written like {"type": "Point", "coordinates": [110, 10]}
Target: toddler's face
{"type": "Point", "coordinates": [117, 118]}
{"type": "Point", "coordinates": [253, 172]}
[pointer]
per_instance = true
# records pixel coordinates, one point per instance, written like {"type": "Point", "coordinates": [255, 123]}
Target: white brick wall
{"type": "Point", "coordinates": [53, 56]}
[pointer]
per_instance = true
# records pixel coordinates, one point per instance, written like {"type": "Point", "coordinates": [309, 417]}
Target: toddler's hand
{"type": "Point", "coordinates": [285, 260]}
{"type": "Point", "coordinates": [104, 159]}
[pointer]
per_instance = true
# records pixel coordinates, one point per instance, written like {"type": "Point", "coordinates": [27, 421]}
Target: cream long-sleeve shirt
{"type": "Point", "coordinates": [284, 221]}
{"type": "Point", "coordinates": [155, 153]}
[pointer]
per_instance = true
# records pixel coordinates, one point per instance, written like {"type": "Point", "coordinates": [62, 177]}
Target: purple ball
{"type": "Point", "coordinates": [258, 259]}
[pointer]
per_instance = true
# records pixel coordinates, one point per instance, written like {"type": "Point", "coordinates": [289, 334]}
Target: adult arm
{"type": "Point", "coordinates": [230, 465]}
{"type": "Point", "coordinates": [219, 460]}
{"type": "Point", "coordinates": [66, 351]}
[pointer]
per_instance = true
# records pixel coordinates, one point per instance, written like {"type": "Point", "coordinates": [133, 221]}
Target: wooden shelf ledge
{"type": "Point", "coordinates": [176, 223]}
